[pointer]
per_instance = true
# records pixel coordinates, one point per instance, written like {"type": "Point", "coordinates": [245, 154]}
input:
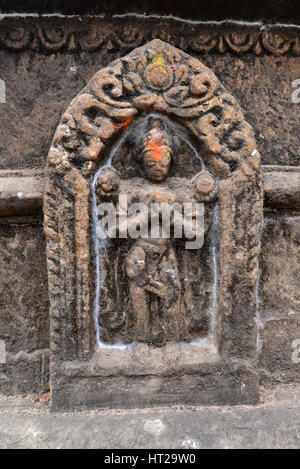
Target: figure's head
{"type": "Point", "coordinates": [156, 154]}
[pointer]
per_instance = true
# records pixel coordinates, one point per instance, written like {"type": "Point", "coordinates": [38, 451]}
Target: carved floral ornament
{"type": "Point", "coordinates": [80, 37]}
{"type": "Point", "coordinates": [155, 78]}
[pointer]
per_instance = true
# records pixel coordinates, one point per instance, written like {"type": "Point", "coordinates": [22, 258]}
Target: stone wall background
{"type": "Point", "coordinates": [24, 321]}
{"type": "Point", "coordinates": [45, 63]}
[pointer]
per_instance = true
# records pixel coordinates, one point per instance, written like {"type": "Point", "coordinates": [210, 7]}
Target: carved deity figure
{"type": "Point", "coordinates": [158, 305]}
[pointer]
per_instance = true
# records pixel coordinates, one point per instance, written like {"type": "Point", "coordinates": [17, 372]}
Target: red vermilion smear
{"type": "Point", "coordinates": [156, 149]}
{"type": "Point", "coordinates": [126, 123]}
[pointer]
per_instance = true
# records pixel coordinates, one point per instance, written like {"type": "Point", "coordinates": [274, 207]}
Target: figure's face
{"type": "Point", "coordinates": [157, 160]}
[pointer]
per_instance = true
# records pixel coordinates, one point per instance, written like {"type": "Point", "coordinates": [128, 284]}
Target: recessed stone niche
{"type": "Point", "coordinates": [139, 322]}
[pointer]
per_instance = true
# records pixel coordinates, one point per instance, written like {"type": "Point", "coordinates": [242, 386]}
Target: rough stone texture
{"type": "Point", "coordinates": [21, 193]}
{"type": "Point", "coordinates": [282, 188]}
{"type": "Point", "coordinates": [64, 54]}
{"type": "Point", "coordinates": [45, 75]}
{"type": "Point", "coordinates": [276, 357]}
{"type": "Point", "coordinates": [279, 298]}
{"type": "Point", "coordinates": [278, 306]}
{"type": "Point", "coordinates": [24, 323]}
{"type": "Point", "coordinates": [263, 85]}
{"type": "Point", "coordinates": [273, 424]}
{"type": "Point", "coordinates": [279, 290]}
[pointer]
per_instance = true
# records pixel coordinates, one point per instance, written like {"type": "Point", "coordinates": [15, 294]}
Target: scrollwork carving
{"type": "Point", "coordinates": [109, 36]}
{"type": "Point", "coordinates": [16, 39]}
{"type": "Point", "coordinates": [156, 78]}
{"type": "Point", "coordinates": [52, 39]}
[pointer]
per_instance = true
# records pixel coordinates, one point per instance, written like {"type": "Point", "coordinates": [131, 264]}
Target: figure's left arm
{"type": "Point", "coordinates": [205, 187]}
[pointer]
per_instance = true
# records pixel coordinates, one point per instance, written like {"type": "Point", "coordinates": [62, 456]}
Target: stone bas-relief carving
{"type": "Point", "coordinates": [155, 80]}
{"type": "Point", "coordinates": [158, 305]}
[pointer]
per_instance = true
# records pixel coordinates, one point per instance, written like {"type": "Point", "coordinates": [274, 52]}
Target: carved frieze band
{"type": "Point", "coordinates": [88, 35]}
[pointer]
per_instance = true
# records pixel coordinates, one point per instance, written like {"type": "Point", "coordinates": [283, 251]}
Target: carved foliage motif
{"type": "Point", "coordinates": [93, 35]}
{"type": "Point", "coordinates": [161, 79]}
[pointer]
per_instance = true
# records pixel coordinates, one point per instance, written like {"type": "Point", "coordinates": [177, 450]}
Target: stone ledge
{"type": "Point", "coordinates": [282, 187]}
{"type": "Point", "coordinates": [274, 423]}
{"type": "Point", "coordinates": [142, 360]}
{"type": "Point", "coordinates": [21, 191]}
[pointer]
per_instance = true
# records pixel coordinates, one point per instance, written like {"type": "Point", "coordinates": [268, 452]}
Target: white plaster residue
{"type": "Point", "coordinates": [263, 26]}
{"type": "Point", "coordinates": [288, 219]}
{"type": "Point", "coordinates": [260, 324]}
{"type": "Point", "coordinates": [2, 92]}
{"type": "Point", "coordinates": [214, 248]}
{"type": "Point", "coordinates": [100, 246]}
{"type": "Point", "coordinates": [260, 24]}
{"type": "Point", "coordinates": [254, 152]}
{"type": "Point", "coordinates": [194, 151]}
{"type": "Point", "coordinates": [155, 427]}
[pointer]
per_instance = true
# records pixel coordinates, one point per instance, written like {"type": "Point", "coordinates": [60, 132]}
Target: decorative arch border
{"type": "Point", "coordinates": [154, 78]}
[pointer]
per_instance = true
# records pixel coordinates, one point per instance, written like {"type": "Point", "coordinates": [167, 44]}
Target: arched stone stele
{"type": "Point", "coordinates": [162, 79]}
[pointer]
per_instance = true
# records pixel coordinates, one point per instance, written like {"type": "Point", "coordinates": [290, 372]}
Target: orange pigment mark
{"type": "Point", "coordinates": [126, 123]}
{"type": "Point", "coordinates": [156, 149]}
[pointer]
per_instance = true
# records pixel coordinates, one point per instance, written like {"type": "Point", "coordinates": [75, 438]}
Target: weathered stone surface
{"type": "Point", "coordinates": [47, 68]}
{"type": "Point", "coordinates": [279, 360]}
{"type": "Point", "coordinates": [24, 322]}
{"type": "Point", "coordinates": [279, 299]}
{"type": "Point", "coordinates": [264, 88]}
{"type": "Point", "coordinates": [281, 190]}
{"type": "Point", "coordinates": [21, 193]}
{"type": "Point", "coordinates": [156, 78]}
{"type": "Point", "coordinates": [279, 288]}
{"type": "Point", "coordinates": [164, 292]}
{"type": "Point", "coordinates": [282, 187]}
{"type": "Point", "coordinates": [25, 373]}
{"type": "Point", "coordinates": [279, 295]}
{"type": "Point", "coordinates": [221, 383]}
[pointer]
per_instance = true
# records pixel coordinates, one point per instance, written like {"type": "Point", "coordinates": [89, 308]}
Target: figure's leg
{"type": "Point", "coordinates": [171, 301]}
{"type": "Point", "coordinates": [136, 272]}
{"type": "Point", "coordinates": [140, 312]}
